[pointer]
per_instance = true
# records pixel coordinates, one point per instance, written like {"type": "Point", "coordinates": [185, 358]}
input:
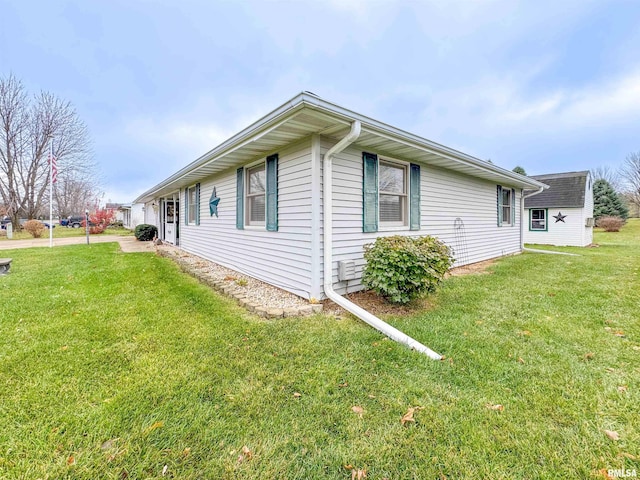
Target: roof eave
{"type": "Point", "coordinates": [342, 114]}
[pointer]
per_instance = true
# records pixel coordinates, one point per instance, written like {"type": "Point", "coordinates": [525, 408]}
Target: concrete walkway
{"type": "Point", "coordinates": [128, 244]}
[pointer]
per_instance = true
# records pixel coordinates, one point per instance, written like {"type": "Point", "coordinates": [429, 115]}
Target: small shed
{"type": "Point", "coordinates": [562, 215]}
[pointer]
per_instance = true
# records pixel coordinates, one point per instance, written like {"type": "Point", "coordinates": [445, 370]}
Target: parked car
{"type": "Point", "coordinates": [3, 223]}
{"type": "Point", "coordinates": [75, 221]}
{"type": "Point", "coordinates": [64, 222]}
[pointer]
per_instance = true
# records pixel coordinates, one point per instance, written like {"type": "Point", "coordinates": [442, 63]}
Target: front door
{"type": "Point", "coordinates": [170, 221]}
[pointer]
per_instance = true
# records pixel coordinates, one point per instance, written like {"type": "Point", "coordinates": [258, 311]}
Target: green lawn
{"type": "Point", "coordinates": [118, 366]}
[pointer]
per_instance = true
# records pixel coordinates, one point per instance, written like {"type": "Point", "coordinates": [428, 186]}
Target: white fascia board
{"type": "Point", "coordinates": [393, 133]}
{"type": "Point", "coordinates": [309, 100]}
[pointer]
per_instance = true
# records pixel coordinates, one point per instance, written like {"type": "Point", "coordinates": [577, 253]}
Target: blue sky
{"type": "Point", "coordinates": [549, 85]}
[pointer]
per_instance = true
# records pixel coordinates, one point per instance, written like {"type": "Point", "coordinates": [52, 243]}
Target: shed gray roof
{"type": "Point", "coordinates": [566, 190]}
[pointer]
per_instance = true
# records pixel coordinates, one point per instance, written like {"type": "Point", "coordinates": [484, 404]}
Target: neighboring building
{"type": "Point", "coordinates": [131, 215]}
{"type": "Point", "coordinates": [255, 203]}
{"type": "Point", "coordinates": [563, 214]}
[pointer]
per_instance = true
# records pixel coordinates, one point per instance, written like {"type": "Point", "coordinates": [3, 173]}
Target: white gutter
{"type": "Point", "coordinates": [361, 313]}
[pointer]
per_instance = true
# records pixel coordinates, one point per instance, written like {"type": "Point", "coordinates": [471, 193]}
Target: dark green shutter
{"type": "Point", "coordinates": [414, 193]}
{"type": "Point", "coordinates": [369, 192]}
{"type": "Point", "coordinates": [186, 206]}
{"type": "Point", "coordinates": [240, 199]}
{"type": "Point", "coordinates": [499, 205]}
{"type": "Point", "coordinates": [197, 205]}
{"type": "Point", "coordinates": [513, 207]}
{"type": "Point", "coordinates": [272, 193]}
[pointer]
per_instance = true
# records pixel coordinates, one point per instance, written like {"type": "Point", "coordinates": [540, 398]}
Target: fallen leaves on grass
{"type": "Point", "coordinates": [343, 385]}
{"type": "Point", "coordinates": [408, 417]}
{"type": "Point", "coordinates": [622, 388]}
{"type": "Point", "coordinates": [525, 333]}
{"type": "Point", "coordinates": [153, 427]}
{"type": "Point", "coordinates": [245, 455]}
{"type": "Point", "coordinates": [71, 460]}
{"type": "Point", "coordinates": [357, 473]}
{"type": "Point", "coordinates": [165, 469]}
{"type": "Point", "coordinates": [496, 407]}
{"type": "Point", "coordinates": [108, 444]}
{"type": "Point", "coordinates": [605, 474]}
{"type": "Point", "coordinates": [357, 409]}
{"type": "Point", "coordinates": [297, 394]}
{"type": "Point", "coordinates": [521, 360]}
{"type": "Point", "coordinates": [612, 434]}
{"type": "Point", "coordinates": [589, 356]}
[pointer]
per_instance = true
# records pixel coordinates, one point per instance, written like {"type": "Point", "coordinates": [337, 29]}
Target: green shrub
{"type": "Point", "coordinates": [145, 232]}
{"type": "Point", "coordinates": [402, 268]}
{"type": "Point", "coordinates": [34, 227]}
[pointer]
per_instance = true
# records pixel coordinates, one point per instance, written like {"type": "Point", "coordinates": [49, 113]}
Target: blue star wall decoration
{"type": "Point", "coordinates": [213, 203]}
{"type": "Point", "coordinates": [559, 217]}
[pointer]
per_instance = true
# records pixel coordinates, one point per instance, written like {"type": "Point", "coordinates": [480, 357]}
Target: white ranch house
{"type": "Point", "coordinates": [562, 215]}
{"type": "Point", "coordinates": [255, 203]}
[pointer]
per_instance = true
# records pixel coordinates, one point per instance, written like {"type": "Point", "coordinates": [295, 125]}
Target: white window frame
{"type": "Point", "coordinates": [404, 204]}
{"type": "Point", "coordinates": [506, 206]}
{"type": "Point", "coordinates": [191, 207]}
{"type": "Point", "coordinates": [247, 206]}
{"type": "Point", "coordinates": [531, 219]}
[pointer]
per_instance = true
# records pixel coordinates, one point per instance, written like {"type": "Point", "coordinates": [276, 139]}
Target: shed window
{"type": "Point", "coordinates": [538, 219]}
{"type": "Point", "coordinates": [393, 193]}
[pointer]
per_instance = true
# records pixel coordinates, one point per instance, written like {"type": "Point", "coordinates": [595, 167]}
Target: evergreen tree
{"type": "Point", "coordinates": [606, 202]}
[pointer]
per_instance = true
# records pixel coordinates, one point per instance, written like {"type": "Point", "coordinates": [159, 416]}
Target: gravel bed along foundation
{"type": "Point", "coordinates": [259, 297]}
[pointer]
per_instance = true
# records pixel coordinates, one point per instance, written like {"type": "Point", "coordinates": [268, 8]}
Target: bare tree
{"type": "Point", "coordinates": [630, 172]}
{"type": "Point", "coordinates": [26, 127]}
{"type": "Point", "coordinates": [605, 172]}
{"type": "Point", "coordinates": [75, 191]}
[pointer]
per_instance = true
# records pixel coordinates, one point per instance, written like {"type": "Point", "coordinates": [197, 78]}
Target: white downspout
{"type": "Point", "coordinates": [361, 313]}
{"type": "Point", "coordinates": [522, 215]}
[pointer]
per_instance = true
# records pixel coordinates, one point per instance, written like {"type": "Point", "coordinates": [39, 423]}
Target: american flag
{"type": "Point", "coordinates": [54, 167]}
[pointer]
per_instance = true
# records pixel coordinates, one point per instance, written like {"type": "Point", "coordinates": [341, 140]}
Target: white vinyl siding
{"type": "Point", "coordinates": [281, 258]}
{"type": "Point", "coordinates": [567, 233]}
{"type": "Point", "coordinates": [458, 209]}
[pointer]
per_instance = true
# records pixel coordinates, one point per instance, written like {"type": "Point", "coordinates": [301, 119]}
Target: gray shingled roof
{"type": "Point", "coordinates": [566, 190]}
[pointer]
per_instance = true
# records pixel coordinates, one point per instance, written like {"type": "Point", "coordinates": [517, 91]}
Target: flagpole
{"type": "Point", "coordinates": [50, 191]}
